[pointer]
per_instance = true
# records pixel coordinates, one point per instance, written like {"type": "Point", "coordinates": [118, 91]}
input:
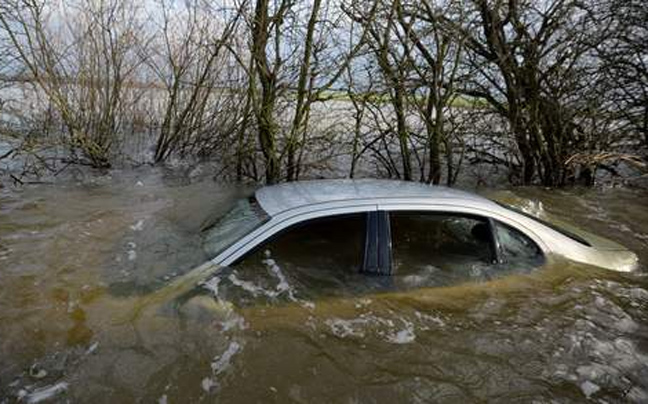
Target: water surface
{"type": "Point", "coordinates": [80, 261]}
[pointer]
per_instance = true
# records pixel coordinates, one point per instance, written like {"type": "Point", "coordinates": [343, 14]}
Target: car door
{"type": "Point", "coordinates": [437, 248]}
{"type": "Point", "coordinates": [322, 256]}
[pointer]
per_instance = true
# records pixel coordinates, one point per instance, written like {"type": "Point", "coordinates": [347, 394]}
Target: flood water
{"type": "Point", "coordinates": [80, 320]}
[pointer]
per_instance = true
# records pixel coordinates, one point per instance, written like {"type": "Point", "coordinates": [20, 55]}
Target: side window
{"type": "Point", "coordinates": [330, 243]}
{"type": "Point", "coordinates": [515, 247]}
{"type": "Point", "coordinates": [444, 243]}
{"type": "Point", "coordinates": [314, 255]}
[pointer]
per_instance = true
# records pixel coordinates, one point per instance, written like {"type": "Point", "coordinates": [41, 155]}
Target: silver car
{"type": "Point", "coordinates": [450, 228]}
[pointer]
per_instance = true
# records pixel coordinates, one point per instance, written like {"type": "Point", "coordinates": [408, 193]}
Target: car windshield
{"type": "Point", "coordinates": [242, 219]}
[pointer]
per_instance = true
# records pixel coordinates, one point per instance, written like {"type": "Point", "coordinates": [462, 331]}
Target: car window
{"type": "Point", "coordinates": [572, 234]}
{"type": "Point", "coordinates": [313, 258]}
{"type": "Point", "coordinates": [438, 248]}
{"type": "Point", "coordinates": [329, 243]}
{"type": "Point", "coordinates": [515, 247]}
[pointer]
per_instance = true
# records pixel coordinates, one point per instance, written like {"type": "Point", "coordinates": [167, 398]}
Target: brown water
{"type": "Point", "coordinates": [78, 262]}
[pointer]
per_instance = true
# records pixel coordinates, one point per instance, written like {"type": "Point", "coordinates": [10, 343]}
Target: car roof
{"type": "Point", "coordinates": [279, 198]}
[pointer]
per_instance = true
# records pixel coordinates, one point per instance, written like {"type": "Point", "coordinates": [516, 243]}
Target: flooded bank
{"type": "Point", "coordinates": [80, 319]}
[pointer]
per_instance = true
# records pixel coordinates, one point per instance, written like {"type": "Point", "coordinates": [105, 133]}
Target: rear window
{"type": "Point", "coordinates": [552, 226]}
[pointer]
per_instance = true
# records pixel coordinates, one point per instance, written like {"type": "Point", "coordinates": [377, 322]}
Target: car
{"type": "Point", "coordinates": [441, 227]}
{"type": "Point", "coordinates": [359, 237]}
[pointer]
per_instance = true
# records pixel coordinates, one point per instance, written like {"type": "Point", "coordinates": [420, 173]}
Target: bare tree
{"type": "Point", "coordinates": [276, 90]}
{"type": "Point", "coordinates": [81, 66]}
{"type": "Point", "coordinates": [393, 66]}
{"type": "Point", "coordinates": [435, 59]}
{"type": "Point", "coordinates": [201, 99]}
{"type": "Point", "coordinates": [623, 50]}
{"type": "Point", "coordinates": [530, 64]}
{"type": "Point", "coordinates": [282, 51]}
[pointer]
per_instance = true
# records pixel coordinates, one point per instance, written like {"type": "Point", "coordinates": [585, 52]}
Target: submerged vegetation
{"type": "Point", "coordinates": [554, 92]}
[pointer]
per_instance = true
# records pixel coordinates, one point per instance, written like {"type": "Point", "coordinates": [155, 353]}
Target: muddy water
{"type": "Point", "coordinates": [80, 320]}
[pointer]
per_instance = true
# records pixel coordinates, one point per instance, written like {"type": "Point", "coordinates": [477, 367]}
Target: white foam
{"type": "Point", "coordinates": [534, 208]}
{"type": "Point", "coordinates": [46, 393]}
{"type": "Point", "coordinates": [430, 319]}
{"type": "Point", "coordinates": [222, 362]}
{"type": "Point", "coordinates": [212, 285]}
{"type": "Point", "coordinates": [92, 348]}
{"type": "Point", "coordinates": [236, 322]}
{"type": "Point", "coordinates": [208, 384]}
{"type": "Point", "coordinates": [589, 388]}
{"type": "Point", "coordinates": [138, 226]}
{"type": "Point", "coordinates": [385, 328]}
{"type": "Point", "coordinates": [247, 286]}
{"type": "Point", "coordinates": [346, 328]}
{"type": "Point", "coordinates": [307, 304]}
{"type": "Point", "coordinates": [282, 286]}
{"type": "Point", "coordinates": [404, 336]}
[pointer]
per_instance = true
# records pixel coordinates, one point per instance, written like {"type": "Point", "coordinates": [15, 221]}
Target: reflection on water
{"type": "Point", "coordinates": [79, 318]}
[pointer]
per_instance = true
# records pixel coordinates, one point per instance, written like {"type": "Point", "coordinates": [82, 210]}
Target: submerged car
{"type": "Point", "coordinates": [396, 227]}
